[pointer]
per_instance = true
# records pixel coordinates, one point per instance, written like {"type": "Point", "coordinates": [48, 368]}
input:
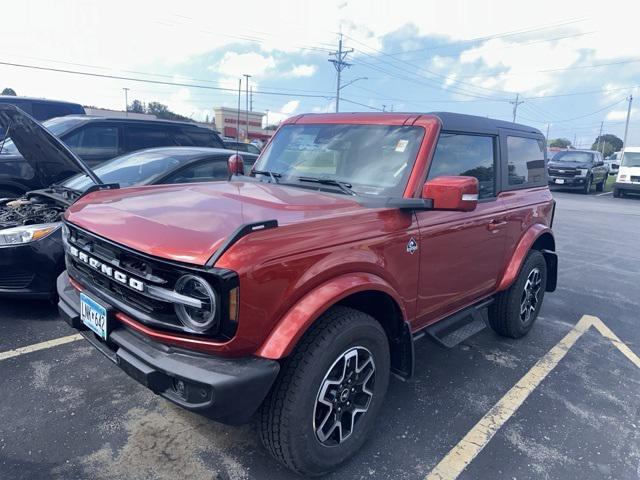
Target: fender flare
{"type": "Point", "coordinates": [293, 325]}
{"type": "Point", "coordinates": [520, 253]}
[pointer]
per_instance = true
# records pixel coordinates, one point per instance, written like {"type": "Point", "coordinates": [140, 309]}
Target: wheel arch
{"type": "Point", "coordinates": [361, 291]}
{"type": "Point", "coordinates": [537, 237]}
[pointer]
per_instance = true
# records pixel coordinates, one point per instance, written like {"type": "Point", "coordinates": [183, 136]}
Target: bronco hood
{"type": "Point", "coordinates": [49, 157]}
{"type": "Point", "coordinates": [188, 223]}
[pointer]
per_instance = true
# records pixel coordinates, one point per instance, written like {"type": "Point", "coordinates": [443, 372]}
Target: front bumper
{"type": "Point", "coordinates": [627, 187]}
{"type": "Point", "coordinates": [229, 390]}
{"type": "Point", "coordinates": [30, 270]}
{"type": "Point", "coordinates": [569, 182]}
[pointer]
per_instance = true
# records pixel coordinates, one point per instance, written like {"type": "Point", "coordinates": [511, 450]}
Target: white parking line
{"type": "Point", "coordinates": [605, 193]}
{"type": "Point", "coordinates": [461, 455]}
{"type": "Point", "coordinates": [39, 346]}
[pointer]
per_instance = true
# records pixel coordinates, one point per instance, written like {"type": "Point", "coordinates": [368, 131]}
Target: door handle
{"type": "Point", "coordinates": [496, 224]}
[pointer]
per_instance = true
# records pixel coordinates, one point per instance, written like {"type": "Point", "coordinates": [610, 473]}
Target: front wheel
{"type": "Point", "coordinates": [587, 185]}
{"type": "Point", "coordinates": [516, 309]}
{"type": "Point", "coordinates": [617, 193]}
{"type": "Point", "coordinates": [600, 186]}
{"type": "Point", "coordinates": [328, 394]}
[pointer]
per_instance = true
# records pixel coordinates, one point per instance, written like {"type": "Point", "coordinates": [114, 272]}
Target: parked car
{"type": "Point", "coordinates": [42, 108]}
{"type": "Point", "coordinates": [579, 169]}
{"type": "Point", "coordinates": [613, 162]}
{"type": "Point", "coordinates": [31, 253]}
{"type": "Point", "coordinates": [628, 179]}
{"type": "Point", "coordinates": [95, 140]}
{"type": "Point", "coordinates": [241, 147]}
{"type": "Point", "coordinates": [297, 290]}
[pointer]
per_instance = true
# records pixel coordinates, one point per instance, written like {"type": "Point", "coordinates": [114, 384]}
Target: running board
{"type": "Point", "coordinates": [455, 329]}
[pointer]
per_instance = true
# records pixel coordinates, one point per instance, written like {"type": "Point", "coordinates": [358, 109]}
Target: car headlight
{"type": "Point", "coordinates": [621, 178]}
{"type": "Point", "coordinates": [26, 233]}
{"type": "Point", "coordinates": [198, 319]}
{"type": "Point", "coordinates": [584, 172]}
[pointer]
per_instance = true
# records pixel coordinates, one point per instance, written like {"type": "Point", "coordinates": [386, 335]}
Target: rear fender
{"type": "Point", "coordinates": [292, 326]}
{"type": "Point", "coordinates": [527, 242]}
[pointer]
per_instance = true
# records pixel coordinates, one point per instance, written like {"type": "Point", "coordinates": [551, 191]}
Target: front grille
{"type": "Point", "coordinates": [635, 178]}
{"type": "Point", "coordinates": [150, 270]}
{"type": "Point", "coordinates": [15, 279]}
{"type": "Point", "coordinates": [563, 173]}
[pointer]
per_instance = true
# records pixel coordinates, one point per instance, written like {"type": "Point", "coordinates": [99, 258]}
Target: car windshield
{"type": "Point", "coordinates": [574, 157]}
{"type": "Point", "coordinates": [372, 159]}
{"type": "Point", "coordinates": [631, 159]}
{"type": "Point", "coordinates": [57, 126]}
{"type": "Point", "coordinates": [131, 169]}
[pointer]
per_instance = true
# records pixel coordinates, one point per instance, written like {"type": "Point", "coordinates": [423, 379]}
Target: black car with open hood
{"type": "Point", "coordinates": [31, 252]}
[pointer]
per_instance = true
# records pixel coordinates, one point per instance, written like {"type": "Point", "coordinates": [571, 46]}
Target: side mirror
{"type": "Point", "coordinates": [452, 193]}
{"type": "Point", "coordinates": [236, 165]}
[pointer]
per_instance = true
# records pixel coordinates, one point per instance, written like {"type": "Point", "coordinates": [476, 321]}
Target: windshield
{"type": "Point", "coordinates": [57, 126]}
{"type": "Point", "coordinates": [574, 157]}
{"type": "Point", "coordinates": [630, 159]}
{"type": "Point", "coordinates": [131, 169]}
{"type": "Point", "coordinates": [373, 159]}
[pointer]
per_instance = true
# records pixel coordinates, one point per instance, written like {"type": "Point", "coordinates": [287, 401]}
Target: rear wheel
{"type": "Point", "coordinates": [516, 309]}
{"type": "Point", "coordinates": [328, 394]}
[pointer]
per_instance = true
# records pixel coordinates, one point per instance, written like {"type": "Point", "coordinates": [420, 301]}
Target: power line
{"type": "Point", "coordinates": [158, 82]}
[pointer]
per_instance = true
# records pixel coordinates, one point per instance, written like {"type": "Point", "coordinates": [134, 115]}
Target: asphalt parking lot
{"type": "Point", "coordinates": [67, 412]}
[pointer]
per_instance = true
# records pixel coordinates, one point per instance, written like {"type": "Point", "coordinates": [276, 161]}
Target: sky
{"type": "Point", "coordinates": [572, 63]}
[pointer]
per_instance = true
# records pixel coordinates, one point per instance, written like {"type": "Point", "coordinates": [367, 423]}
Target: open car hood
{"type": "Point", "coordinates": [49, 157]}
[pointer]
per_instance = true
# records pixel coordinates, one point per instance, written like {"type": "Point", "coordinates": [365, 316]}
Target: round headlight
{"type": "Point", "coordinates": [197, 319]}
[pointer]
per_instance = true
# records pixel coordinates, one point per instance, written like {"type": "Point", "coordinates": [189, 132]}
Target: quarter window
{"type": "Point", "coordinates": [468, 155]}
{"type": "Point", "coordinates": [526, 161]}
{"type": "Point", "coordinates": [138, 138]}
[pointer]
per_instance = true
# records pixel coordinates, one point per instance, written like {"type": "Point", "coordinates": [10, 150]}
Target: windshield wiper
{"type": "Point", "coordinates": [344, 186]}
{"type": "Point", "coordinates": [274, 175]}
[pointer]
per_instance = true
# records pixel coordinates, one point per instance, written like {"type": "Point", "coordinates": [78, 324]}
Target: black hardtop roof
{"type": "Point", "coordinates": [16, 99]}
{"type": "Point", "coordinates": [477, 124]}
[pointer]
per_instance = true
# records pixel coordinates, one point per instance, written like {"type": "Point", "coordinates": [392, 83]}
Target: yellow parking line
{"type": "Point", "coordinates": [452, 465]}
{"type": "Point", "coordinates": [39, 346]}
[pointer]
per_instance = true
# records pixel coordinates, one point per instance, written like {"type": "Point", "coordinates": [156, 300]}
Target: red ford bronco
{"type": "Point", "coordinates": [292, 293]}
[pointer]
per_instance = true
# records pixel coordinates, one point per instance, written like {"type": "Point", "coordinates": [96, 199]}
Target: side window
{"type": "Point", "coordinates": [139, 137]}
{"type": "Point", "coordinates": [45, 111]}
{"type": "Point", "coordinates": [210, 170]}
{"type": "Point", "coordinates": [526, 161]}
{"type": "Point", "coordinates": [98, 140]}
{"type": "Point", "coordinates": [197, 137]}
{"type": "Point", "coordinates": [469, 155]}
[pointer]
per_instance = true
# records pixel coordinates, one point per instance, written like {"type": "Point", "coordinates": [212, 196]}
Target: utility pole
{"type": "Point", "coordinates": [384, 107]}
{"type": "Point", "coordinates": [515, 106]}
{"type": "Point", "coordinates": [267, 121]}
{"type": "Point", "coordinates": [246, 87]}
{"type": "Point", "coordinates": [251, 99]}
{"type": "Point", "coordinates": [626, 127]}
{"type": "Point", "coordinates": [126, 101]}
{"type": "Point", "coordinates": [548, 125]}
{"type": "Point", "coordinates": [600, 142]}
{"type": "Point", "coordinates": [238, 117]}
{"type": "Point", "coordinates": [339, 64]}
{"type": "Point", "coordinates": [574, 141]}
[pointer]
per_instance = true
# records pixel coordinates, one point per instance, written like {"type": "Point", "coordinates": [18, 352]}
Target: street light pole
{"type": "Point", "coordinates": [246, 87]}
{"type": "Point", "coordinates": [626, 127]}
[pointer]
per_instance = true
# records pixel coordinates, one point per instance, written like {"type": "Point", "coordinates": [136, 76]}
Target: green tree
{"type": "Point", "coordinates": [9, 91]}
{"type": "Point", "coordinates": [136, 107]}
{"type": "Point", "coordinates": [160, 110]}
{"type": "Point", "coordinates": [611, 144]}
{"type": "Point", "coordinates": [560, 142]}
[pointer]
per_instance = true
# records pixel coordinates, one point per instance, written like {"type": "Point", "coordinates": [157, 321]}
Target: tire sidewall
{"type": "Point", "coordinates": [535, 259]}
{"type": "Point", "coordinates": [320, 457]}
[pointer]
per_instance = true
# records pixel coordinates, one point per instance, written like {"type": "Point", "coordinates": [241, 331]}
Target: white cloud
{"type": "Point", "coordinates": [303, 70]}
{"type": "Point", "coordinates": [235, 64]}
{"type": "Point", "coordinates": [614, 115]}
{"type": "Point", "coordinates": [290, 107]}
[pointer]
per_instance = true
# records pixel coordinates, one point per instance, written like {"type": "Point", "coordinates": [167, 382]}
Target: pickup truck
{"type": "Point", "coordinates": [290, 295]}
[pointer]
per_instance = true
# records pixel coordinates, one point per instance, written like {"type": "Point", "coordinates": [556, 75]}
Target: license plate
{"type": "Point", "coordinates": [559, 180]}
{"type": "Point", "coordinates": [93, 315]}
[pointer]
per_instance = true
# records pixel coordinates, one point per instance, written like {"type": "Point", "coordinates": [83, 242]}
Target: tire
{"type": "Point", "coordinates": [587, 186]}
{"type": "Point", "coordinates": [600, 186]}
{"type": "Point", "coordinates": [617, 193]}
{"type": "Point", "coordinates": [289, 415]}
{"type": "Point", "coordinates": [505, 314]}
